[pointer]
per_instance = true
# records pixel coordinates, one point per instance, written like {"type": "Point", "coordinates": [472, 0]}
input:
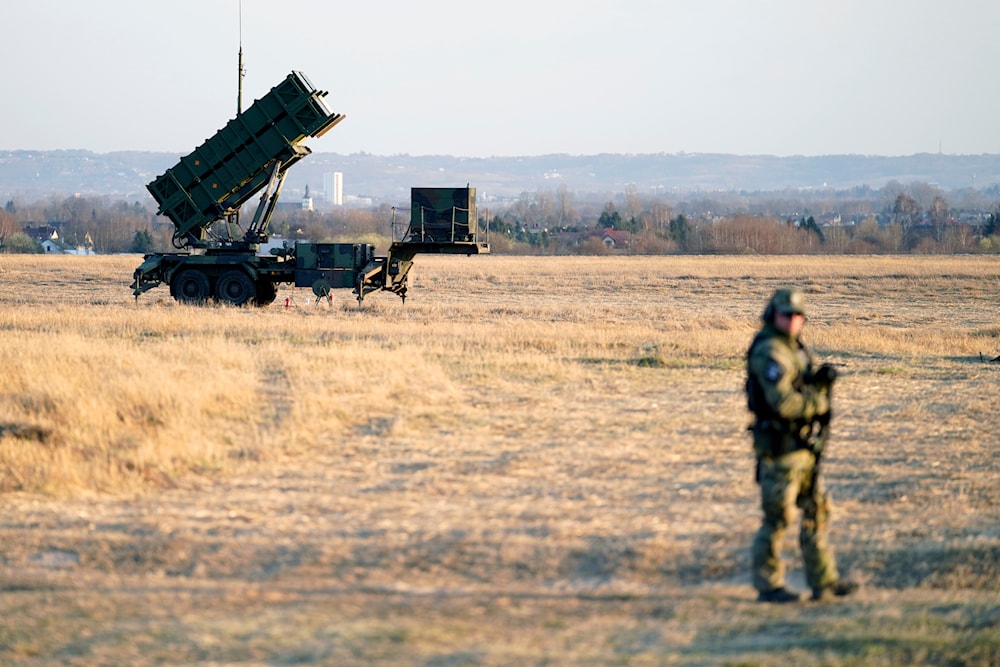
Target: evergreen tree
{"type": "Point", "coordinates": [610, 218]}
{"type": "Point", "coordinates": [142, 242]}
{"type": "Point", "coordinates": [809, 224]}
{"type": "Point", "coordinates": [680, 228]}
{"type": "Point", "coordinates": [992, 225]}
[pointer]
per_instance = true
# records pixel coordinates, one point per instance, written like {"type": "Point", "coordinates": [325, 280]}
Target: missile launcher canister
{"type": "Point", "coordinates": [237, 162]}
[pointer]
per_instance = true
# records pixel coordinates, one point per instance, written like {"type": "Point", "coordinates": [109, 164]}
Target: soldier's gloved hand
{"type": "Point", "coordinates": [820, 403]}
{"type": "Point", "coordinates": [825, 376]}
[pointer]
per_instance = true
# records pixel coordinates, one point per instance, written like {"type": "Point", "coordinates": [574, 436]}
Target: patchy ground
{"type": "Point", "coordinates": [593, 506]}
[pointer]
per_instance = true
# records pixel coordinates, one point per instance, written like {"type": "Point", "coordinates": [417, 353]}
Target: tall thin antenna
{"type": "Point", "coordinates": [240, 70]}
{"type": "Point", "coordinates": [234, 218]}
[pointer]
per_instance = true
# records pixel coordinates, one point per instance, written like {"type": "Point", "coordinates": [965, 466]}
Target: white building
{"type": "Point", "coordinates": [333, 187]}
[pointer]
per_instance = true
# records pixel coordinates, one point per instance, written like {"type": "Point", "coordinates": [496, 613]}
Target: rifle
{"type": "Point", "coordinates": [824, 379]}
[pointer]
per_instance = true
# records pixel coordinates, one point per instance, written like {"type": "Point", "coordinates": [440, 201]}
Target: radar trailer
{"type": "Point", "coordinates": [218, 260]}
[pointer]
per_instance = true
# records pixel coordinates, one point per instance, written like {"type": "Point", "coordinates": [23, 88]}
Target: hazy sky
{"type": "Point", "coordinates": [517, 77]}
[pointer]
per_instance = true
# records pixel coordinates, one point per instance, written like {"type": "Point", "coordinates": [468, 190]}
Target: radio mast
{"type": "Point", "coordinates": [239, 68]}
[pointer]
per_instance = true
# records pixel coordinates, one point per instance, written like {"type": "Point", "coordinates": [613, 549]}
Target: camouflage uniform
{"type": "Point", "coordinates": [786, 402]}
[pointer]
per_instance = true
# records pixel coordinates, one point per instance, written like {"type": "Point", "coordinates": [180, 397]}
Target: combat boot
{"type": "Point", "coordinates": [837, 589]}
{"type": "Point", "coordinates": [779, 595]}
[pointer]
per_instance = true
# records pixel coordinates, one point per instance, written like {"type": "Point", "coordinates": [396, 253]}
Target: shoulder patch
{"type": "Point", "coordinates": [773, 371]}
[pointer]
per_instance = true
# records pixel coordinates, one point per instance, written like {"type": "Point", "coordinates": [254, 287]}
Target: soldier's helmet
{"type": "Point", "coordinates": [787, 300]}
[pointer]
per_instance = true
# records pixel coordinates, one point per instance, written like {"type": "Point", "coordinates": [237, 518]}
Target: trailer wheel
{"type": "Point", "coordinates": [190, 286]}
{"type": "Point", "coordinates": [321, 288]}
{"type": "Point", "coordinates": [235, 288]}
{"type": "Point", "coordinates": [265, 293]}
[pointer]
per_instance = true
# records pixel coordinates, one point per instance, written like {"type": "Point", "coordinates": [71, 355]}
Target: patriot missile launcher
{"type": "Point", "coordinates": [217, 258]}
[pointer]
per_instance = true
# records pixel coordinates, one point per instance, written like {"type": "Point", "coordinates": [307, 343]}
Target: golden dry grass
{"type": "Point", "coordinates": [532, 461]}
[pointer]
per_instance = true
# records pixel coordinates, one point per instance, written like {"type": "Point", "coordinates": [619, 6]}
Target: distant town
{"type": "Point", "coordinates": [375, 179]}
{"type": "Point", "coordinates": [82, 202]}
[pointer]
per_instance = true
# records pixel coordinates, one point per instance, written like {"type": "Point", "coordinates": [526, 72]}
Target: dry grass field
{"type": "Point", "coordinates": [533, 461]}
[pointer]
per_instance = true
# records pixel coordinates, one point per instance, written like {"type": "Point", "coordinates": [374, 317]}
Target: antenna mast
{"type": "Point", "coordinates": [233, 219]}
{"type": "Point", "coordinates": [240, 70]}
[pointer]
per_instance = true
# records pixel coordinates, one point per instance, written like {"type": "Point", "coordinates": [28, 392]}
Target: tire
{"type": "Point", "coordinates": [235, 288]}
{"type": "Point", "coordinates": [321, 288]}
{"type": "Point", "coordinates": [190, 286]}
{"type": "Point", "coordinates": [265, 293]}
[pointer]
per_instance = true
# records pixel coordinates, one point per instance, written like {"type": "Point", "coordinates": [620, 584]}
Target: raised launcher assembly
{"type": "Point", "coordinates": [253, 151]}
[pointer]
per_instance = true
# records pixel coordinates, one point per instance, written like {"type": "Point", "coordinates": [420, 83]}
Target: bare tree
{"type": "Point", "coordinates": [660, 214]}
{"type": "Point", "coordinates": [565, 212]}
{"type": "Point", "coordinates": [924, 194]}
{"type": "Point", "coordinates": [632, 204]}
{"type": "Point", "coordinates": [938, 213]}
{"type": "Point", "coordinates": [8, 226]}
{"type": "Point", "coordinates": [905, 212]}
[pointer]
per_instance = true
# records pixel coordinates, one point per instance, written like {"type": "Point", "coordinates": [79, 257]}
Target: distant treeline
{"type": "Point", "coordinates": [918, 218]}
{"type": "Point", "coordinates": [896, 219]}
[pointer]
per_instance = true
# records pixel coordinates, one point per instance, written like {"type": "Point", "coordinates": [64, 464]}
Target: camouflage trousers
{"type": "Point", "coordinates": [786, 483]}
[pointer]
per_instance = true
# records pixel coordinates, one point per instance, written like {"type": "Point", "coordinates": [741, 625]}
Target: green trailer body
{"type": "Point", "coordinates": [240, 279]}
{"type": "Point", "coordinates": [325, 266]}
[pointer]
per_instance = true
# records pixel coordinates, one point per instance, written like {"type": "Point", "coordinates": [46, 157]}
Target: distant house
{"type": "Point", "coordinates": [42, 233]}
{"type": "Point", "coordinates": [56, 246]}
{"type": "Point", "coordinates": [52, 246]}
{"type": "Point", "coordinates": [613, 239]}
{"type": "Point", "coordinates": [86, 248]}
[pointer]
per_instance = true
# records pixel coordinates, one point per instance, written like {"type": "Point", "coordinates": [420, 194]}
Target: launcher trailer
{"type": "Point", "coordinates": [218, 260]}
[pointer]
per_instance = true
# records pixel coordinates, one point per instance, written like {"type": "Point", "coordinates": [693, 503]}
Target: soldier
{"type": "Point", "coordinates": [791, 406]}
